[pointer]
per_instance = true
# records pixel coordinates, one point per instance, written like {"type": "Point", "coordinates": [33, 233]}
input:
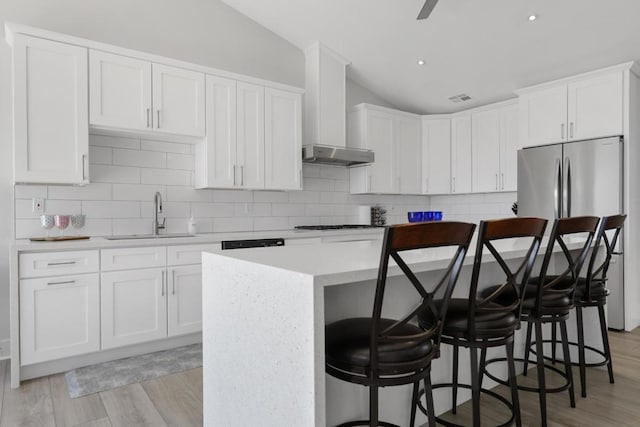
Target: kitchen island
{"type": "Point", "coordinates": [264, 314]}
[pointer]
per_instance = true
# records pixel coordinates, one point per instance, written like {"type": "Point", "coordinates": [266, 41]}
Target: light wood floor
{"type": "Point", "coordinates": [176, 400]}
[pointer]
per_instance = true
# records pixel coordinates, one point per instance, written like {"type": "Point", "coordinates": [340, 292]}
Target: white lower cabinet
{"type": "Point", "coordinates": [59, 317]}
{"type": "Point", "coordinates": [134, 307]}
{"type": "Point", "coordinates": [184, 300]}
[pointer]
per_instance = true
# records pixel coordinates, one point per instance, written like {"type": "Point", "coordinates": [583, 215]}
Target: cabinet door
{"type": "Point", "coordinates": [485, 150]}
{"type": "Point", "coordinates": [134, 307]}
{"type": "Point", "coordinates": [408, 149]}
{"type": "Point", "coordinates": [437, 156]}
{"type": "Point", "coordinates": [59, 317]}
{"type": "Point", "coordinates": [250, 137]}
{"type": "Point", "coordinates": [461, 154]}
{"type": "Point", "coordinates": [595, 107]}
{"type": "Point", "coordinates": [178, 101]}
{"type": "Point", "coordinates": [184, 304]}
{"type": "Point", "coordinates": [509, 147]}
{"type": "Point", "coordinates": [50, 107]}
{"type": "Point", "coordinates": [119, 91]}
{"type": "Point", "coordinates": [216, 157]}
{"type": "Point", "coordinates": [543, 116]}
{"type": "Point", "coordinates": [379, 135]}
{"type": "Point", "coordinates": [283, 140]}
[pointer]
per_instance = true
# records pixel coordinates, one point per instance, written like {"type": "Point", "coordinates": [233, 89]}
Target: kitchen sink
{"type": "Point", "coordinates": [148, 236]}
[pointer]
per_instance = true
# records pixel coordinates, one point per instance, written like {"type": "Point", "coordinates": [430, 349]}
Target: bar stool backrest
{"type": "Point", "coordinates": [506, 297]}
{"type": "Point", "coordinates": [406, 237]}
{"type": "Point", "coordinates": [607, 235]}
{"type": "Point", "coordinates": [565, 282]}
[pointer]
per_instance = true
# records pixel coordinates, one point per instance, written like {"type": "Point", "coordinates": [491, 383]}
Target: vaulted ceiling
{"type": "Point", "coordinates": [484, 48]}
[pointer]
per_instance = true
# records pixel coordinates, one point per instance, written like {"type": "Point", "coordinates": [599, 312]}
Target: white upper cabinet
{"type": "Point", "coordinates": [436, 156]}
{"type": "Point", "coordinates": [178, 101]}
{"type": "Point", "coordinates": [119, 91]}
{"type": "Point", "coordinates": [461, 154]}
{"type": "Point", "coordinates": [133, 94]}
{"type": "Point", "coordinates": [250, 166]}
{"type": "Point", "coordinates": [50, 108]}
{"type": "Point", "coordinates": [494, 149]}
{"type": "Point", "coordinates": [283, 140]}
{"type": "Point", "coordinates": [582, 108]}
{"type": "Point", "coordinates": [395, 138]}
{"type": "Point", "coordinates": [408, 154]}
{"type": "Point", "coordinates": [216, 157]}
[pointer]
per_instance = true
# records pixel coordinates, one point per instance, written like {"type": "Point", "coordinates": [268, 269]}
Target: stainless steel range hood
{"type": "Point", "coordinates": [325, 110]}
{"type": "Point", "coordinates": [338, 156]}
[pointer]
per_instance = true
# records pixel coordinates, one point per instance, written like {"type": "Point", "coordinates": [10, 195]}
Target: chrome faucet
{"type": "Point", "coordinates": [157, 208]}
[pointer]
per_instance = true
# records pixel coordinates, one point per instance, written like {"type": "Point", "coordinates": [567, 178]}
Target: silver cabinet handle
{"type": "Point", "coordinates": [242, 176]}
{"type": "Point", "coordinates": [148, 111]}
{"type": "Point", "coordinates": [567, 185]}
{"type": "Point", "coordinates": [562, 131]}
{"type": "Point", "coordinates": [162, 287]}
{"type": "Point", "coordinates": [502, 179]}
{"type": "Point", "coordinates": [571, 130]}
{"type": "Point", "coordinates": [454, 184]}
{"type": "Point", "coordinates": [496, 181]}
{"type": "Point", "coordinates": [556, 190]}
{"type": "Point", "coordinates": [158, 124]}
{"type": "Point", "coordinates": [234, 175]}
{"type": "Point", "coordinates": [66, 282]}
{"type": "Point", "coordinates": [426, 184]}
{"type": "Point", "coordinates": [173, 282]}
{"type": "Point", "coordinates": [51, 264]}
{"type": "Point", "coordinates": [369, 188]}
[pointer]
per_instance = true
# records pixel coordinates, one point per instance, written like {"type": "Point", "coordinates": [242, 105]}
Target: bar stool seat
{"type": "Point", "coordinates": [349, 341]}
{"type": "Point", "coordinates": [550, 301]}
{"type": "Point", "coordinates": [488, 324]}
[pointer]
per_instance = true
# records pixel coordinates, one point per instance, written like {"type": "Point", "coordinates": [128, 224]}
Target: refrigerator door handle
{"type": "Point", "coordinates": [556, 190]}
{"type": "Point", "coordinates": [566, 188]}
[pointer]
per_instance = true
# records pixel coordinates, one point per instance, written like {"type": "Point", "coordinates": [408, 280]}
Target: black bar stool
{"type": "Point", "coordinates": [591, 291]}
{"type": "Point", "coordinates": [379, 352]}
{"type": "Point", "coordinates": [549, 299]}
{"type": "Point", "coordinates": [481, 323]}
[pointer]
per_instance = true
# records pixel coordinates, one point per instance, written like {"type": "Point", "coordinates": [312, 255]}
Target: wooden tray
{"type": "Point", "coordinates": [57, 238]}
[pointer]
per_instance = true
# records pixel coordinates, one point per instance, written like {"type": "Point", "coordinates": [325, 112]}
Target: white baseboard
{"type": "Point", "coordinates": [5, 349]}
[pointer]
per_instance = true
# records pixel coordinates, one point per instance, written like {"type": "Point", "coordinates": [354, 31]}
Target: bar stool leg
{"type": "Point", "coordinates": [554, 340]}
{"type": "Point", "coordinates": [515, 400]}
{"type": "Point", "coordinates": [454, 381]}
{"type": "Point", "coordinates": [527, 349]}
{"type": "Point", "coordinates": [414, 403]}
{"type": "Point", "coordinates": [475, 387]}
{"type": "Point", "coordinates": [567, 361]}
{"type": "Point", "coordinates": [483, 362]}
{"type": "Point", "coordinates": [373, 405]}
{"type": "Point", "coordinates": [428, 393]}
{"type": "Point", "coordinates": [605, 341]}
{"type": "Point", "coordinates": [581, 351]}
{"type": "Point", "coordinates": [542, 394]}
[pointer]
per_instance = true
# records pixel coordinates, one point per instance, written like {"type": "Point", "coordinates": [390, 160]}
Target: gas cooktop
{"type": "Point", "coordinates": [335, 227]}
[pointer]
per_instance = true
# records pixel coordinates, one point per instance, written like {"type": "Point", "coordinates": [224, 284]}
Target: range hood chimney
{"type": "Point", "coordinates": [325, 110]}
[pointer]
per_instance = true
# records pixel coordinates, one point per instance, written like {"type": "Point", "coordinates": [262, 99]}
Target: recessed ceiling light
{"type": "Point", "coordinates": [533, 17]}
{"type": "Point", "coordinates": [420, 62]}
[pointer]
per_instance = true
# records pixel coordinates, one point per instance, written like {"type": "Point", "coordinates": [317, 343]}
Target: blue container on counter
{"type": "Point", "coordinates": [437, 216]}
{"type": "Point", "coordinates": [415, 216]}
{"type": "Point", "coordinates": [427, 216]}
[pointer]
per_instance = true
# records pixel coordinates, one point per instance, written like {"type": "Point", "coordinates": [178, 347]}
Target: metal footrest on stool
{"type": "Point", "coordinates": [575, 344]}
{"type": "Point", "coordinates": [366, 423]}
{"type": "Point", "coordinates": [563, 374]}
{"type": "Point", "coordinates": [485, 391]}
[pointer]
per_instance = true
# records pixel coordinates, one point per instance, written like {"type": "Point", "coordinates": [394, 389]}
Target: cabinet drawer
{"type": "Point", "coordinates": [59, 317]}
{"type": "Point", "coordinates": [189, 254]}
{"type": "Point", "coordinates": [58, 263]}
{"type": "Point", "coordinates": [131, 258]}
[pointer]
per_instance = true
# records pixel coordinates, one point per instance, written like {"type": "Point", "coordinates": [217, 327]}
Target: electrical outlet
{"type": "Point", "coordinates": [37, 205]}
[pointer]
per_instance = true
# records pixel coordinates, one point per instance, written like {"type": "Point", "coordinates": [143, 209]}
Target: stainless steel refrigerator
{"type": "Point", "coordinates": [575, 179]}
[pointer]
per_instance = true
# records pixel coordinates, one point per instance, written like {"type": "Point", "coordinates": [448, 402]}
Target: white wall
{"type": "Point", "coordinates": [206, 32]}
{"type": "Point", "coordinates": [357, 94]}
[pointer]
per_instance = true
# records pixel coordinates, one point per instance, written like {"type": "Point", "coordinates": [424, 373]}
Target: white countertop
{"type": "Point", "coordinates": [25, 245]}
{"type": "Point", "coordinates": [344, 262]}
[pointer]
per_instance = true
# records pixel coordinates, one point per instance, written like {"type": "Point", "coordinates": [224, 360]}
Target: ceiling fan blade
{"type": "Point", "coordinates": [427, 9]}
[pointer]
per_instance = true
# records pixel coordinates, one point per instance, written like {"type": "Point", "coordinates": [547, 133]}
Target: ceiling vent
{"type": "Point", "coordinates": [463, 97]}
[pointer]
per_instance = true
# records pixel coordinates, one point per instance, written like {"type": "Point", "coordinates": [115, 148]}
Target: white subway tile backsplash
{"type": "Point", "coordinates": [24, 208]}
{"type": "Point", "coordinates": [273, 196]}
{"type": "Point", "coordinates": [295, 221]}
{"type": "Point", "coordinates": [96, 227]}
{"type": "Point", "coordinates": [114, 141]}
{"type": "Point", "coordinates": [341, 186]}
{"type": "Point", "coordinates": [114, 174]}
{"type": "Point", "coordinates": [232, 224]}
{"type": "Point", "coordinates": [204, 225]}
{"type": "Point", "coordinates": [319, 184]}
{"type": "Point", "coordinates": [232, 196]}
{"type": "Point", "coordinates": [318, 210]}
{"type": "Point", "coordinates": [165, 147]}
{"type": "Point", "coordinates": [22, 191]}
{"type": "Point", "coordinates": [111, 209]}
{"type": "Point", "coordinates": [304, 197]}
{"type": "Point", "coordinates": [334, 172]}
{"type": "Point", "coordinates": [143, 159]}
{"type": "Point", "coordinates": [212, 210]}
{"type": "Point", "coordinates": [271, 223]}
{"type": "Point", "coordinates": [188, 194]}
{"type": "Point", "coordinates": [138, 191]}
{"type": "Point", "coordinates": [169, 210]}
{"type": "Point", "coordinates": [26, 228]}
{"type": "Point", "coordinates": [288, 209]}
{"type": "Point", "coordinates": [165, 176]}
{"type": "Point", "coordinates": [132, 226]}
{"type": "Point", "coordinates": [180, 161]}
{"type": "Point", "coordinates": [100, 155]}
{"type": "Point", "coordinates": [310, 171]}
{"type": "Point", "coordinates": [93, 191]}
{"type": "Point", "coordinates": [252, 209]}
